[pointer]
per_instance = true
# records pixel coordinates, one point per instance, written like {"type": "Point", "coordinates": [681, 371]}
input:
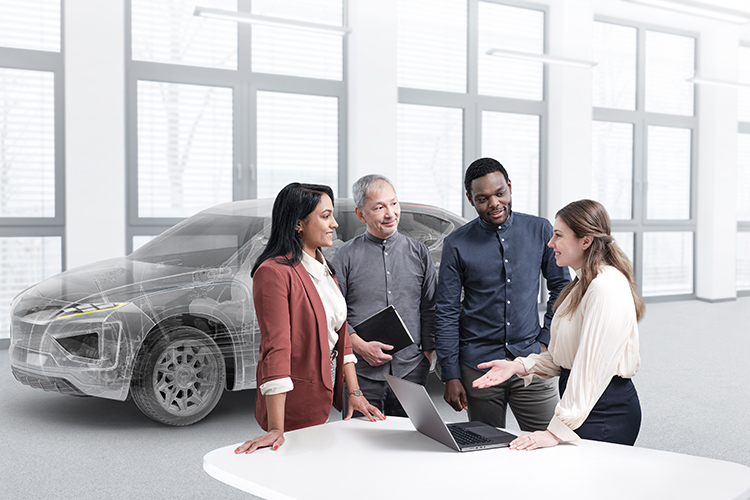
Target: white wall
{"type": "Point", "coordinates": [94, 130]}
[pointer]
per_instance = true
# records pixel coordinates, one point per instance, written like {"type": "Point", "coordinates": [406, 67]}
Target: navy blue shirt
{"type": "Point", "coordinates": [497, 267]}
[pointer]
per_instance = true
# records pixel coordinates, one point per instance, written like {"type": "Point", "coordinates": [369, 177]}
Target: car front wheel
{"type": "Point", "coordinates": [178, 376]}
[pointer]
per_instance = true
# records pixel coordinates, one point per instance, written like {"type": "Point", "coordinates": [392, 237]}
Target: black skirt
{"type": "Point", "coordinates": [616, 417]}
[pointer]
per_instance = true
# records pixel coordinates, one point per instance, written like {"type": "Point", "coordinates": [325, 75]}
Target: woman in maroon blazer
{"type": "Point", "coordinates": [305, 352]}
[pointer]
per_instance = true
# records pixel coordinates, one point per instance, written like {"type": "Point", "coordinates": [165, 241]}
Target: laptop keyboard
{"type": "Point", "coordinates": [464, 437]}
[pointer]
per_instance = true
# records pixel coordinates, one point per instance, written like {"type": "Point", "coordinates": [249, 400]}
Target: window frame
{"type": "Point", "coordinates": [473, 104]}
{"type": "Point", "coordinates": [30, 227]}
{"type": "Point", "coordinates": [245, 85]}
{"type": "Point", "coordinates": [641, 120]}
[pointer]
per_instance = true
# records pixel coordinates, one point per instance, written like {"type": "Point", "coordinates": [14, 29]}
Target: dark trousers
{"type": "Point", "coordinates": [380, 395]}
{"type": "Point", "coordinates": [616, 417]}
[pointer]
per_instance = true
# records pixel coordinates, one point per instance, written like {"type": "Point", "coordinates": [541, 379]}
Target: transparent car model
{"type": "Point", "coordinates": [172, 324]}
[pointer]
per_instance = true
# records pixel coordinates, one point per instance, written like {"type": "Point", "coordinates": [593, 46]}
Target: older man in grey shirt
{"type": "Point", "coordinates": [382, 267]}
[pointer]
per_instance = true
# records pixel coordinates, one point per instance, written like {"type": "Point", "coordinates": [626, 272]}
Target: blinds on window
{"type": "Point", "coordinates": [30, 24]}
{"type": "Point", "coordinates": [27, 143]}
{"type": "Point", "coordinates": [432, 44]}
{"type": "Point", "coordinates": [184, 148]}
{"type": "Point", "coordinates": [612, 167]}
{"type": "Point", "coordinates": [298, 141]}
{"type": "Point", "coordinates": [513, 139]}
{"type": "Point", "coordinates": [669, 267]}
{"type": "Point", "coordinates": [292, 52]}
{"type": "Point", "coordinates": [167, 32]}
{"type": "Point", "coordinates": [669, 152]}
{"type": "Point", "coordinates": [26, 261]}
{"type": "Point", "coordinates": [670, 61]}
{"type": "Point", "coordinates": [512, 28]}
{"type": "Point", "coordinates": [614, 77]}
{"type": "Point", "coordinates": [430, 154]}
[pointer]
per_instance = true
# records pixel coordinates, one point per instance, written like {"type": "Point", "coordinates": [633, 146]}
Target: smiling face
{"type": "Point", "coordinates": [316, 230]}
{"type": "Point", "coordinates": [568, 248]}
{"type": "Point", "coordinates": [380, 210]}
{"type": "Point", "coordinates": [490, 196]}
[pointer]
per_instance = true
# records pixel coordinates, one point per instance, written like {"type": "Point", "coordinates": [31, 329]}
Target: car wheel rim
{"type": "Point", "coordinates": [185, 377]}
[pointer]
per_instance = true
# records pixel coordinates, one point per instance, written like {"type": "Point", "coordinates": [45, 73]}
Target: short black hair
{"type": "Point", "coordinates": [480, 168]}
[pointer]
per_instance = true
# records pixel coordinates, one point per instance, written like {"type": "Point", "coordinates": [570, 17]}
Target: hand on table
{"type": "Point", "coordinates": [273, 438]}
{"type": "Point", "coordinates": [534, 440]}
{"type": "Point", "coordinates": [360, 404]}
{"type": "Point", "coordinates": [455, 394]}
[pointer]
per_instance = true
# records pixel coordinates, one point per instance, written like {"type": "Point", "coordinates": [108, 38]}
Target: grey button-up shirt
{"type": "Point", "coordinates": [373, 274]}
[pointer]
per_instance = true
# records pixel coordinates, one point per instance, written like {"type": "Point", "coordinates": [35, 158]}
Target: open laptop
{"type": "Point", "coordinates": [461, 436]}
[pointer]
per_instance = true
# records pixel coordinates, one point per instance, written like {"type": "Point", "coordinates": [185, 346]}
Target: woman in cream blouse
{"type": "Point", "coordinates": [305, 351]}
{"type": "Point", "coordinates": [594, 337]}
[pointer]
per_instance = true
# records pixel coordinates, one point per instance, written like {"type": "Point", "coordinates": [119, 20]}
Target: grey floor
{"type": "Point", "coordinates": [694, 387]}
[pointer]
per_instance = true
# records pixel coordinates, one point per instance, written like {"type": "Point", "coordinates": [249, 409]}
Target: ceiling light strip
{"type": "Point", "coordinates": [545, 58]}
{"type": "Point", "coordinates": [277, 22]}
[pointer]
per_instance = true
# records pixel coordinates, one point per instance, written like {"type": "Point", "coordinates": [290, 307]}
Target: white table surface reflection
{"type": "Point", "coordinates": [390, 459]}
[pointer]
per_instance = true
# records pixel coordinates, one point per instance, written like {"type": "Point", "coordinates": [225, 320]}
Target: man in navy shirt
{"type": "Point", "coordinates": [495, 260]}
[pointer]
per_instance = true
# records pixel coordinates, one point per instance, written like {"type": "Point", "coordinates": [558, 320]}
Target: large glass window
{"type": "Point", "coordinates": [310, 123]}
{"type": "Point", "coordinates": [31, 155]}
{"type": "Point", "coordinates": [27, 143]}
{"type": "Point", "coordinates": [669, 163]}
{"type": "Point", "coordinates": [432, 44]}
{"type": "Point", "coordinates": [614, 77]}
{"type": "Point", "coordinates": [220, 111]}
{"type": "Point", "coordinates": [185, 148]}
{"type": "Point", "coordinates": [642, 150]}
{"type": "Point", "coordinates": [168, 32]}
{"type": "Point", "coordinates": [285, 51]}
{"type": "Point", "coordinates": [516, 29]}
{"type": "Point", "coordinates": [612, 162]}
{"type": "Point", "coordinates": [457, 103]}
{"type": "Point", "coordinates": [430, 146]}
{"type": "Point", "coordinates": [514, 140]}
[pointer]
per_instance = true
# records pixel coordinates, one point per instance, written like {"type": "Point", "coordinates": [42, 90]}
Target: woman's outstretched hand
{"type": "Point", "coordinates": [500, 371]}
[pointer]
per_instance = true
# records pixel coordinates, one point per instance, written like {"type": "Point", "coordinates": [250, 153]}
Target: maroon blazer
{"type": "Point", "coordinates": [294, 343]}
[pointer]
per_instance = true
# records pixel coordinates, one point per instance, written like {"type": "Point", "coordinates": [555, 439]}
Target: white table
{"type": "Point", "coordinates": [352, 458]}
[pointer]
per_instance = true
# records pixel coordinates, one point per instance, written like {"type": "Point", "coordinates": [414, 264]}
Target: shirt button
{"type": "Point", "coordinates": [387, 272]}
{"type": "Point", "coordinates": [389, 292]}
{"type": "Point", "coordinates": [509, 302]}
{"type": "Point", "coordinates": [502, 239]}
{"type": "Point", "coordinates": [386, 253]}
{"type": "Point", "coordinates": [506, 260]}
{"type": "Point", "coordinates": [508, 323]}
{"type": "Point", "coordinates": [508, 280]}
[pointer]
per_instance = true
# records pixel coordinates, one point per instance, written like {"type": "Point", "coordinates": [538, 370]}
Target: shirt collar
{"type": "Point", "coordinates": [387, 243]}
{"type": "Point", "coordinates": [491, 227]}
{"type": "Point", "coordinates": [314, 267]}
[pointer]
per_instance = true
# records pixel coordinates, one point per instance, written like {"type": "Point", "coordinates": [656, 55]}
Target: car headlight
{"type": "Point", "coordinates": [81, 309]}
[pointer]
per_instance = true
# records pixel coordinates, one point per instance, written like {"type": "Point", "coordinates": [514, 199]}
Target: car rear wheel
{"type": "Point", "coordinates": [178, 377]}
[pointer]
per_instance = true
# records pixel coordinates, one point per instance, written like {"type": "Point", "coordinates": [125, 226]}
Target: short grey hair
{"type": "Point", "coordinates": [360, 188]}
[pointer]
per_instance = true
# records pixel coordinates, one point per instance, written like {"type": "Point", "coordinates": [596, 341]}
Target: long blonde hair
{"type": "Point", "coordinates": [590, 218]}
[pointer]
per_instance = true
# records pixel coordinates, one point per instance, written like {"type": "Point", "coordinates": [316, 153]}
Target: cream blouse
{"type": "Point", "coordinates": [335, 306]}
{"type": "Point", "coordinates": [596, 342]}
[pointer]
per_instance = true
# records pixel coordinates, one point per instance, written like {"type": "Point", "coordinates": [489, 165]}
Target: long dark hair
{"type": "Point", "coordinates": [590, 218]}
{"type": "Point", "coordinates": [293, 203]}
